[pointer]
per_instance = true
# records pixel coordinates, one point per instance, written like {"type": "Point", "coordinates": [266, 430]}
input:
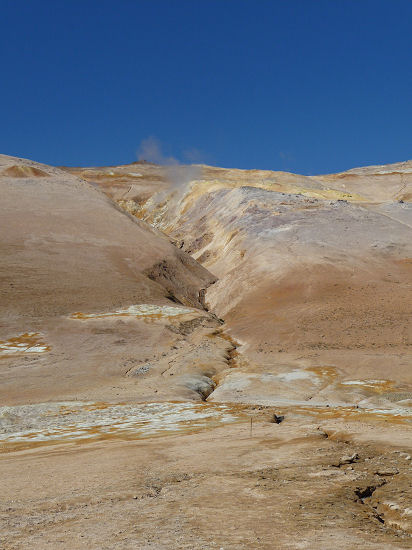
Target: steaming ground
{"type": "Point", "coordinates": [154, 321]}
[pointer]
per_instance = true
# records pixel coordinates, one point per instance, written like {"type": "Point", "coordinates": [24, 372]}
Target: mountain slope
{"type": "Point", "coordinates": [65, 249]}
{"type": "Point", "coordinates": [313, 271]}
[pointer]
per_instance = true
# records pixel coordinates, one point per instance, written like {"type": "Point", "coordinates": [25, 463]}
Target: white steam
{"type": "Point", "coordinates": [151, 150]}
{"type": "Point", "coordinates": [179, 175]}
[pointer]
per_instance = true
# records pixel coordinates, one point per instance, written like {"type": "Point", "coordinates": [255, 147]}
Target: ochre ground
{"type": "Point", "coordinates": [261, 292]}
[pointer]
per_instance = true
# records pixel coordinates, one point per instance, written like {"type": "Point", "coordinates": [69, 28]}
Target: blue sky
{"type": "Point", "coordinates": [309, 86]}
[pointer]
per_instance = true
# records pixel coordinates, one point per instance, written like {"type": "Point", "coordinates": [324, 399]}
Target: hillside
{"type": "Point", "coordinates": [192, 350]}
{"type": "Point", "coordinates": [312, 271]}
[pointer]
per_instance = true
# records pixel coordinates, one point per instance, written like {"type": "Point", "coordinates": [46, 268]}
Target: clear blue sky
{"type": "Point", "coordinates": [309, 86]}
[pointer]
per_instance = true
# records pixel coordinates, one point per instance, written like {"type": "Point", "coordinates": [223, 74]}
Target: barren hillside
{"type": "Point", "coordinates": [312, 272]}
{"type": "Point", "coordinates": [196, 357]}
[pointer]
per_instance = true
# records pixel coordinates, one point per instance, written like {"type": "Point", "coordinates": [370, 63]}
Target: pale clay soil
{"type": "Point", "coordinates": [153, 322]}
